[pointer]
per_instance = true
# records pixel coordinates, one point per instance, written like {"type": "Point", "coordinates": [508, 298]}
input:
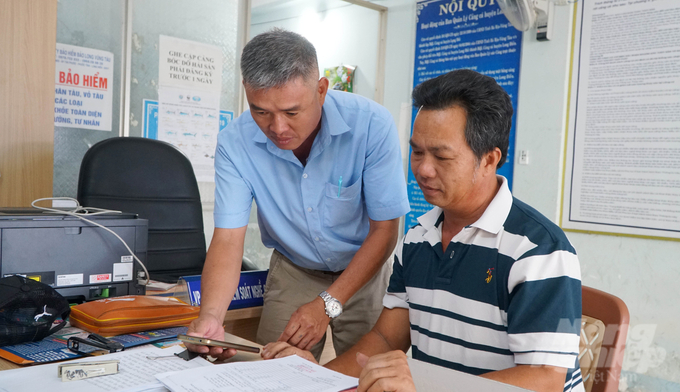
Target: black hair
{"type": "Point", "coordinates": [487, 106]}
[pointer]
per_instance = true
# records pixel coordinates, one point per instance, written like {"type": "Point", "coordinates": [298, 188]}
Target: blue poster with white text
{"type": "Point", "coordinates": [472, 34]}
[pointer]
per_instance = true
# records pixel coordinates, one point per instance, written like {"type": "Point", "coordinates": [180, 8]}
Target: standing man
{"type": "Point", "coordinates": [325, 170]}
{"type": "Point", "coordinates": [483, 284]}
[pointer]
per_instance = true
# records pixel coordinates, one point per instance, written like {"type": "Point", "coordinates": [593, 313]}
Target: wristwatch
{"type": "Point", "coordinates": [333, 306]}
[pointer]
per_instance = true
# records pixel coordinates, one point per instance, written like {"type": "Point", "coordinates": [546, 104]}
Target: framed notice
{"type": "Point", "coordinates": [622, 161]}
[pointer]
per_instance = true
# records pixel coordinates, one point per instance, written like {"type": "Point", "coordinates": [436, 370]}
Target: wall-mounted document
{"type": "Point", "coordinates": [281, 375]}
{"type": "Point", "coordinates": [623, 146]}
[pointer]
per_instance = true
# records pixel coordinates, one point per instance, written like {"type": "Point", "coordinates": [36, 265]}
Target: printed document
{"type": "Point", "coordinates": [137, 373]}
{"type": "Point", "coordinates": [281, 375]}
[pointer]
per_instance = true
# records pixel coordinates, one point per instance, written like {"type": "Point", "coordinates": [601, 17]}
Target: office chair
{"type": "Point", "coordinates": [604, 328]}
{"type": "Point", "coordinates": [155, 180]}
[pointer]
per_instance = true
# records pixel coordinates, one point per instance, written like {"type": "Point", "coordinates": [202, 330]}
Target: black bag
{"type": "Point", "coordinates": [28, 310]}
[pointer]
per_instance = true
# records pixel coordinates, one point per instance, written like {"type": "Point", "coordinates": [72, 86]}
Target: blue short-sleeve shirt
{"type": "Point", "coordinates": [306, 212]}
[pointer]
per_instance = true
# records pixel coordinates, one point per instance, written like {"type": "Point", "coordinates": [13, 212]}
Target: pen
{"type": "Point", "coordinates": [339, 185]}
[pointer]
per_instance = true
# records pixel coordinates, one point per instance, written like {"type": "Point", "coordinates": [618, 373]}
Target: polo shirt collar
{"type": "Point", "coordinates": [492, 219]}
{"type": "Point", "coordinates": [497, 212]}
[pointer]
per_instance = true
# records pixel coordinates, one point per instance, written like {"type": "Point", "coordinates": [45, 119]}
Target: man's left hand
{"type": "Point", "coordinates": [385, 372]}
{"type": "Point", "coordinates": [306, 326]}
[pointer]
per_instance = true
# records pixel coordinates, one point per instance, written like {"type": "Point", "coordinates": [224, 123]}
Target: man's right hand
{"type": "Point", "coordinates": [208, 326]}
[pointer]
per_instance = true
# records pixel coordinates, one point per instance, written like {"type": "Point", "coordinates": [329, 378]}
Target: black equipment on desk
{"type": "Point", "coordinates": [81, 261]}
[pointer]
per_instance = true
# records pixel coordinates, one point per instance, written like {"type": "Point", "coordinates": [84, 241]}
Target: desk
{"type": "Point", "coordinates": [240, 356]}
{"type": "Point", "coordinates": [240, 326]}
{"type": "Point", "coordinates": [427, 377]}
{"type": "Point", "coordinates": [433, 378]}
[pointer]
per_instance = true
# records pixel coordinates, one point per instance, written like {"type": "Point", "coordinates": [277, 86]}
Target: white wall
{"type": "Point", "coordinates": [342, 33]}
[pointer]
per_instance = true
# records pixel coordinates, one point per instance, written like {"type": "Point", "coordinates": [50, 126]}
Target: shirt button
{"type": "Point", "coordinates": [304, 175]}
{"type": "Point", "coordinates": [309, 209]}
{"type": "Point", "coordinates": [328, 259]}
{"type": "Point", "coordinates": [316, 238]}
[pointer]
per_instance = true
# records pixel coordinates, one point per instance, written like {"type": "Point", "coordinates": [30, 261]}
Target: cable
{"type": "Point", "coordinates": [80, 211]}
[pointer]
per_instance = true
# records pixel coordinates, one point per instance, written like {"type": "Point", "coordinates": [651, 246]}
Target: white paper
{"type": "Point", "coordinates": [84, 88]}
{"type": "Point", "coordinates": [623, 152]}
{"type": "Point", "coordinates": [189, 120]}
{"type": "Point", "coordinates": [69, 280]}
{"type": "Point", "coordinates": [190, 84]}
{"type": "Point", "coordinates": [189, 64]}
{"type": "Point", "coordinates": [281, 375]}
{"type": "Point", "coordinates": [137, 373]}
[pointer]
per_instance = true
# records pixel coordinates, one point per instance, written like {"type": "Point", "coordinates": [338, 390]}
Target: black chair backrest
{"type": "Point", "coordinates": [155, 180]}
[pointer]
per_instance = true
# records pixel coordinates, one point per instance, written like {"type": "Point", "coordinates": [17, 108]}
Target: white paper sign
{"type": "Point", "coordinates": [83, 88]}
{"type": "Point", "coordinates": [189, 64]}
{"type": "Point", "coordinates": [190, 78]}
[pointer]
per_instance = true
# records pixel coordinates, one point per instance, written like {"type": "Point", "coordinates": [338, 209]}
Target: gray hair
{"type": "Point", "coordinates": [275, 57]}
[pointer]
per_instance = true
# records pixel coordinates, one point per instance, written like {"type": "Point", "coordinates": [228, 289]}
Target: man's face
{"type": "Point", "coordinates": [288, 115]}
{"type": "Point", "coordinates": [441, 160]}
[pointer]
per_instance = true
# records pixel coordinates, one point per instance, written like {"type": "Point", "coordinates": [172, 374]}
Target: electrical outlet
{"type": "Point", "coordinates": [523, 157]}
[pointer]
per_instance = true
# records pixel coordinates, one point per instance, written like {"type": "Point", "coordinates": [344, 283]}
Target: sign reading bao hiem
{"type": "Point", "coordinates": [83, 88]}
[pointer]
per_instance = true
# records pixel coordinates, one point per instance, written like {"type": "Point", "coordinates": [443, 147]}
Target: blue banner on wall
{"type": "Point", "coordinates": [473, 34]}
{"type": "Point", "coordinates": [150, 114]}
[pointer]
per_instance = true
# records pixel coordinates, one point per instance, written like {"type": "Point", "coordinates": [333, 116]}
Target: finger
{"type": "Point", "coordinates": [215, 351]}
{"type": "Point", "coordinates": [288, 332]}
{"type": "Point", "coordinates": [288, 352]}
{"type": "Point", "coordinates": [271, 349]}
{"type": "Point", "coordinates": [226, 354]}
{"type": "Point", "coordinates": [297, 338]}
{"type": "Point", "coordinates": [308, 342]}
{"type": "Point", "coordinates": [385, 384]}
{"type": "Point", "coordinates": [197, 349]}
{"type": "Point", "coordinates": [379, 378]}
{"type": "Point", "coordinates": [362, 359]}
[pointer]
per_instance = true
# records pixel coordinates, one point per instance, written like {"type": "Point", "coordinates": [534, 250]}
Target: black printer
{"type": "Point", "coordinates": [80, 260]}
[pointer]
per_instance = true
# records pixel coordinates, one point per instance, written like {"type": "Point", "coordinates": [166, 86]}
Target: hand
{"type": "Point", "coordinates": [307, 325]}
{"type": "Point", "coordinates": [283, 349]}
{"type": "Point", "coordinates": [385, 372]}
{"type": "Point", "coordinates": [208, 326]}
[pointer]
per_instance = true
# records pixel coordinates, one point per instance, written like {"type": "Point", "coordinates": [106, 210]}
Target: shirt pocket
{"type": "Point", "coordinates": [345, 209]}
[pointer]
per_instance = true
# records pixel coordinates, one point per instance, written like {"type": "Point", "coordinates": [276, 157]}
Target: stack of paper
{"type": "Point", "coordinates": [281, 375]}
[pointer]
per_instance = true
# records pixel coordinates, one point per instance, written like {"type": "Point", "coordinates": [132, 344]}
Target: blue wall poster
{"type": "Point", "coordinates": [150, 126]}
{"type": "Point", "coordinates": [473, 34]}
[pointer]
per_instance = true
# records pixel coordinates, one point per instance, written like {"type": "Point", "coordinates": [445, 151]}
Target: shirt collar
{"type": "Point", "coordinates": [492, 219]}
{"type": "Point", "coordinates": [329, 115]}
{"type": "Point", "coordinates": [497, 212]}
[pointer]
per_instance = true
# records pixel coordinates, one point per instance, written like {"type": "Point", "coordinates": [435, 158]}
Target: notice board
{"type": "Point", "coordinates": [464, 34]}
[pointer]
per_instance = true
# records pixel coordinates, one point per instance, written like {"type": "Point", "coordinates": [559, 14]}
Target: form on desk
{"type": "Point", "coordinates": [281, 375]}
{"type": "Point", "coordinates": [137, 373]}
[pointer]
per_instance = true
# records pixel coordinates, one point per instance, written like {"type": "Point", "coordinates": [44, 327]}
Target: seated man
{"type": "Point", "coordinates": [484, 283]}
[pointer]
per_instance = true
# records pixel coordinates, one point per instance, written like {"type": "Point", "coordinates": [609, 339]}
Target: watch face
{"type": "Point", "coordinates": [333, 308]}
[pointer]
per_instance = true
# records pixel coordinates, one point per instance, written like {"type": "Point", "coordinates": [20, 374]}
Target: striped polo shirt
{"type": "Point", "coordinates": [506, 292]}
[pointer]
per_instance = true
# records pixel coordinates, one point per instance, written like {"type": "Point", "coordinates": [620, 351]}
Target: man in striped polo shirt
{"type": "Point", "coordinates": [484, 283]}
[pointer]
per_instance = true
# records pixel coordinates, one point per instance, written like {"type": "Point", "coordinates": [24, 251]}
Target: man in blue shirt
{"type": "Point", "coordinates": [325, 170]}
{"type": "Point", "coordinates": [483, 284]}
